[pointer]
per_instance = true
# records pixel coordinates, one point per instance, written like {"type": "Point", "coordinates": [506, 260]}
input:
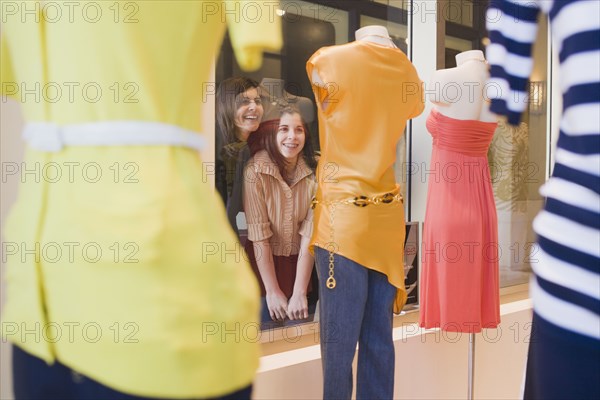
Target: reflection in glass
{"type": "Point", "coordinates": [239, 111]}
{"type": "Point", "coordinates": [517, 165]}
{"type": "Point", "coordinates": [518, 171]}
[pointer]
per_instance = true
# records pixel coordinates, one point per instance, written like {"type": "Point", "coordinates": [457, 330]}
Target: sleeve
{"type": "Point", "coordinates": [254, 27]}
{"type": "Point", "coordinates": [7, 76]}
{"type": "Point", "coordinates": [311, 67]}
{"type": "Point", "coordinates": [306, 227]}
{"type": "Point", "coordinates": [327, 92]}
{"type": "Point", "coordinates": [255, 207]}
{"type": "Point", "coordinates": [512, 26]}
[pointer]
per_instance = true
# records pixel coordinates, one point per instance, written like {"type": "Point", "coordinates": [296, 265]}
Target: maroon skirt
{"type": "Point", "coordinates": [285, 271]}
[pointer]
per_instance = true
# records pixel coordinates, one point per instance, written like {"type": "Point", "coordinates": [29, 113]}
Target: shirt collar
{"type": "Point", "coordinates": [263, 164]}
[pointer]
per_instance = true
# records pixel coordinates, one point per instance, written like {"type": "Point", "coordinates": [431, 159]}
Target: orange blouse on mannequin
{"type": "Point", "coordinates": [359, 126]}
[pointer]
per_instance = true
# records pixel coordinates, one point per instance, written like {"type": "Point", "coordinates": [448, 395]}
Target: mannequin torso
{"type": "Point", "coordinates": [373, 33]}
{"type": "Point", "coordinates": [279, 96]}
{"type": "Point", "coordinates": [376, 34]}
{"type": "Point", "coordinates": [460, 91]}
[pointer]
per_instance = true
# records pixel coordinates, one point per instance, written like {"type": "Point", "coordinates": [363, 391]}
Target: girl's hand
{"type": "Point", "coordinates": [297, 307]}
{"type": "Point", "coordinates": [277, 304]}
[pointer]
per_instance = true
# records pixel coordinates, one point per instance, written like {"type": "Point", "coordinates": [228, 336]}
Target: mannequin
{"type": "Point", "coordinates": [360, 286]}
{"type": "Point", "coordinates": [373, 33]}
{"type": "Point", "coordinates": [459, 91]}
{"type": "Point", "coordinates": [376, 34]}
{"type": "Point", "coordinates": [173, 285]}
{"type": "Point", "coordinates": [462, 127]}
{"type": "Point", "coordinates": [279, 96]}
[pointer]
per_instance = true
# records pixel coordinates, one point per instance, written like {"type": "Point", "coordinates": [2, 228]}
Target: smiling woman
{"type": "Point", "coordinates": [239, 113]}
{"type": "Point", "coordinates": [248, 113]}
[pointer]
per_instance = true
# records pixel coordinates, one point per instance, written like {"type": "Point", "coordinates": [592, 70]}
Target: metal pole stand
{"type": "Point", "coordinates": [471, 366]}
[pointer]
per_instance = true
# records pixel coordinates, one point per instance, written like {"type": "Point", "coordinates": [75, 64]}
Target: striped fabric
{"type": "Point", "coordinates": [276, 210]}
{"type": "Point", "coordinates": [566, 286]}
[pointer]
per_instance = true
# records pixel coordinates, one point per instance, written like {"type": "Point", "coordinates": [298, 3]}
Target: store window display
{"type": "Point", "coordinates": [168, 288]}
{"type": "Point", "coordinates": [359, 216]}
{"type": "Point", "coordinates": [460, 282]}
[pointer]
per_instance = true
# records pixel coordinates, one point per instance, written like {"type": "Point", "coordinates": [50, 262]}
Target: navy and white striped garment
{"type": "Point", "coordinates": [566, 286]}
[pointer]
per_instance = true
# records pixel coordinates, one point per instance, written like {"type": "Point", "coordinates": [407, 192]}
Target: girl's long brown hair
{"type": "Point", "coordinates": [266, 138]}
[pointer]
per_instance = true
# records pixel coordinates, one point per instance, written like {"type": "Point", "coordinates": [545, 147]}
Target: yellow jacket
{"type": "Point", "coordinates": [120, 260]}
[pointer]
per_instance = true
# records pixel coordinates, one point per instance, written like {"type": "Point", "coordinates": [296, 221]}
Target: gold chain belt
{"type": "Point", "coordinates": [358, 201]}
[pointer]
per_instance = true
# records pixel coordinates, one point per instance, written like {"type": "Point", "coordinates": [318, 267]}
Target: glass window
{"type": "Point", "coordinates": [518, 165]}
{"type": "Point", "coordinates": [459, 11]}
{"type": "Point", "coordinates": [308, 26]}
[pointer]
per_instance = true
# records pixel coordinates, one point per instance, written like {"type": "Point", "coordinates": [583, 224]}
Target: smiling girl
{"type": "Point", "coordinates": [278, 187]}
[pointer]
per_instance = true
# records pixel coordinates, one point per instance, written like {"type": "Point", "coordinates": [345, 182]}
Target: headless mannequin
{"type": "Point", "coordinates": [279, 96]}
{"type": "Point", "coordinates": [373, 33]}
{"type": "Point", "coordinates": [460, 91]}
{"type": "Point", "coordinates": [460, 94]}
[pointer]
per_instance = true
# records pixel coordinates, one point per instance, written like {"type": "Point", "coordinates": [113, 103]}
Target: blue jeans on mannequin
{"type": "Point", "coordinates": [358, 309]}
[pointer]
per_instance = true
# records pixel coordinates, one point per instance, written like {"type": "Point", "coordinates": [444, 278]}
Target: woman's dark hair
{"type": "Point", "coordinates": [267, 137]}
{"type": "Point", "coordinates": [226, 106]}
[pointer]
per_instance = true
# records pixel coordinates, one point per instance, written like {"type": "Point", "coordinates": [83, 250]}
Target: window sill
{"type": "Point", "coordinates": [283, 347]}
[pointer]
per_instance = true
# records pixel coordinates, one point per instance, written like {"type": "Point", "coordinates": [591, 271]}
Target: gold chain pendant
{"type": "Point", "coordinates": [331, 280]}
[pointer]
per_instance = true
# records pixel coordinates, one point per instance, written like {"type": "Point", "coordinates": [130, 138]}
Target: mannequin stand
{"type": "Point", "coordinates": [471, 366]}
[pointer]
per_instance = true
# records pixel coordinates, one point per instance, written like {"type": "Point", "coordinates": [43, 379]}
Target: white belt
{"type": "Point", "coordinates": [47, 136]}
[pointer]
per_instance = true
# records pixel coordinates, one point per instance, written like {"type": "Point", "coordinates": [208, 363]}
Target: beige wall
{"type": "Point", "coordinates": [429, 364]}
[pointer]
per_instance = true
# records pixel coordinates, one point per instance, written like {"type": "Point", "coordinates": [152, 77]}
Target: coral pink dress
{"type": "Point", "coordinates": [459, 286]}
